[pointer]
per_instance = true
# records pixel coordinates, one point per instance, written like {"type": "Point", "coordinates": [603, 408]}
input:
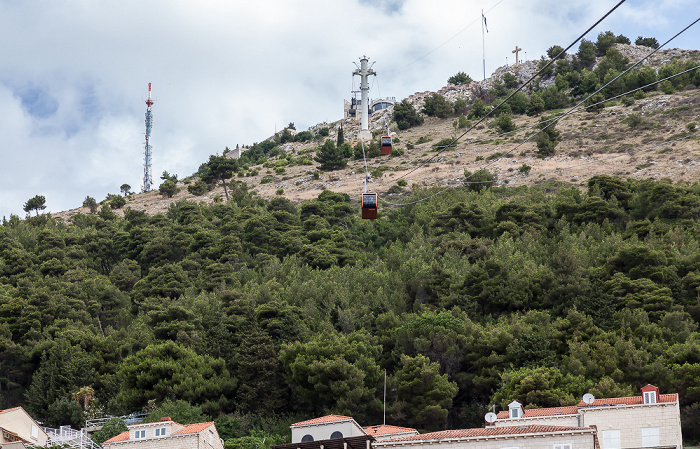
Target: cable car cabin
{"type": "Point", "coordinates": [369, 206]}
{"type": "Point", "coordinates": [386, 145]}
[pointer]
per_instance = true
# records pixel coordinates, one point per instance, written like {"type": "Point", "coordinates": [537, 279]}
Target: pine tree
{"type": "Point", "coordinates": [330, 157]}
{"type": "Point", "coordinates": [548, 138]}
{"type": "Point", "coordinates": [259, 370]}
{"type": "Point", "coordinates": [341, 138]}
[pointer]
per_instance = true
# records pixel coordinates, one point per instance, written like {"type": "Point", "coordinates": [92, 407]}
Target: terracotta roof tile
{"type": "Point", "coordinates": [632, 400]}
{"type": "Point", "coordinates": [384, 429]}
{"type": "Point", "coordinates": [572, 410]}
{"type": "Point", "coordinates": [124, 436]}
{"type": "Point", "coordinates": [481, 432]}
{"type": "Point", "coordinates": [323, 419]}
{"type": "Point", "coordinates": [549, 411]}
{"type": "Point", "coordinates": [194, 428]}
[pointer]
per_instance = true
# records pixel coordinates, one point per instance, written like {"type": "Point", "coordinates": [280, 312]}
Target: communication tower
{"type": "Point", "coordinates": [147, 178]}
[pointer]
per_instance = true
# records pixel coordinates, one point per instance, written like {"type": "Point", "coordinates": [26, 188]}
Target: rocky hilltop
{"type": "Point", "coordinates": [593, 143]}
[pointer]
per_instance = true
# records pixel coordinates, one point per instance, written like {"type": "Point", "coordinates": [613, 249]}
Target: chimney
{"type": "Point", "coordinates": [165, 418]}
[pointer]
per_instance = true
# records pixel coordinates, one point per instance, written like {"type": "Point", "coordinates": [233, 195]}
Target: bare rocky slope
{"type": "Point", "coordinates": [593, 143]}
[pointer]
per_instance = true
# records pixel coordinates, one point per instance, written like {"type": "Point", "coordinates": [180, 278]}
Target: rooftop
{"type": "Point", "coordinates": [549, 411]}
{"type": "Point", "coordinates": [481, 432]}
{"type": "Point", "coordinates": [633, 400]}
{"type": "Point", "coordinates": [384, 429]}
{"type": "Point", "coordinates": [194, 428]}
{"type": "Point", "coordinates": [189, 428]}
{"type": "Point", "coordinates": [124, 436]}
{"type": "Point", "coordinates": [324, 419]}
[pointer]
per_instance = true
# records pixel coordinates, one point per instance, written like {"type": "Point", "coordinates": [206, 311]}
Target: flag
{"type": "Point", "coordinates": [484, 17]}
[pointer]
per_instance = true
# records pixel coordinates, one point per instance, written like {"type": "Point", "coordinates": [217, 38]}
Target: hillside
{"type": "Point", "coordinates": [264, 311]}
{"type": "Point", "coordinates": [593, 143]}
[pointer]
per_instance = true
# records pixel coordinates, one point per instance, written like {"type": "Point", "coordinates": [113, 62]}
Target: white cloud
{"type": "Point", "coordinates": [227, 73]}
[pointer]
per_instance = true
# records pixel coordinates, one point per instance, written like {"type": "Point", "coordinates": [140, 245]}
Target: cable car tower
{"type": "Point", "coordinates": [147, 179]}
{"type": "Point", "coordinates": [364, 71]}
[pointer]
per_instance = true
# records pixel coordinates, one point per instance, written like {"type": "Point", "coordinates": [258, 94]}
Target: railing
{"type": "Point", "coordinates": [133, 418]}
{"type": "Point", "coordinates": [65, 436]}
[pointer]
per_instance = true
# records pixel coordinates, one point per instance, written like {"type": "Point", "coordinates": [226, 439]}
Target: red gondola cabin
{"type": "Point", "coordinates": [369, 206]}
{"type": "Point", "coordinates": [386, 145]}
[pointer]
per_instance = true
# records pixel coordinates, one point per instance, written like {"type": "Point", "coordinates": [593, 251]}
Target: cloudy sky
{"type": "Point", "coordinates": [74, 74]}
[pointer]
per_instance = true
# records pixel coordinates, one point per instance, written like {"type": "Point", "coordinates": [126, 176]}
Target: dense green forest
{"type": "Point", "coordinates": [259, 312]}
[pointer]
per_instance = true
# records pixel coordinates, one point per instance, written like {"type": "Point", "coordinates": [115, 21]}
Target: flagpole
{"type": "Point", "coordinates": [483, 45]}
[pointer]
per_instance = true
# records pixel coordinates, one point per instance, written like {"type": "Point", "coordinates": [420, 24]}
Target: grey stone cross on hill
{"type": "Point", "coordinates": [517, 49]}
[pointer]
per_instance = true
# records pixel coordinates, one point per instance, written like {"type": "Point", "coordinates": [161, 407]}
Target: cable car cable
{"type": "Point", "coordinates": [570, 111]}
{"type": "Point", "coordinates": [444, 43]}
{"type": "Point", "coordinates": [551, 61]}
{"type": "Point", "coordinates": [627, 153]}
{"type": "Point", "coordinates": [484, 139]}
{"type": "Point", "coordinates": [575, 109]}
{"type": "Point", "coordinates": [579, 109]}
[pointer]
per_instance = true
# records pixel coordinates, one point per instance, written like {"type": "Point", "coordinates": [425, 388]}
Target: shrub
{"type": "Point", "coordinates": [667, 87]}
{"type": "Point", "coordinates": [478, 110]}
{"type": "Point", "coordinates": [405, 115]}
{"type": "Point", "coordinates": [510, 80]}
{"type": "Point", "coordinates": [633, 120]}
{"type": "Point", "coordinates": [402, 183]}
{"type": "Point", "coordinates": [481, 180]}
{"type": "Point", "coordinates": [115, 201]}
{"type": "Point", "coordinates": [436, 105]}
{"type": "Point", "coordinates": [647, 42]}
{"type": "Point", "coordinates": [90, 203]}
{"type": "Point", "coordinates": [279, 192]}
{"type": "Point", "coordinates": [198, 188]}
{"type": "Point", "coordinates": [460, 106]}
{"type": "Point", "coordinates": [548, 138]}
{"type": "Point", "coordinates": [303, 136]}
{"type": "Point", "coordinates": [444, 144]}
{"type": "Point", "coordinates": [168, 188]}
{"type": "Point", "coordinates": [524, 169]}
{"type": "Point", "coordinates": [505, 123]}
{"type": "Point", "coordinates": [462, 122]}
{"type": "Point", "coordinates": [459, 79]}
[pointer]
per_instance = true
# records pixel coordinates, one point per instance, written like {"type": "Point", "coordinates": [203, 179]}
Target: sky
{"type": "Point", "coordinates": [74, 74]}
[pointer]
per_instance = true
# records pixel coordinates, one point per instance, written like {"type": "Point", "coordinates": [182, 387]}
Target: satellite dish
{"type": "Point", "coordinates": [588, 398]}
{"type": "Point", "coordinates": [490, 417]}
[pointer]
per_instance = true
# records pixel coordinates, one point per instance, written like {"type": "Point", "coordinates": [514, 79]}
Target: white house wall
{"type": "Point", "coordinates": [631, 419]}
{"type": "Point", "coordinates": [323, 431]}
{"type": "Point", "coordinates": [577, 441]}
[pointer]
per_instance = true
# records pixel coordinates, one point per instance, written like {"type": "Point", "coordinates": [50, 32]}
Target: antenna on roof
{"type": "Point", "coordinates": [588, 398]}
{"type": "Point", "coordinates": [490, 417]}
{"type": "Point", "coordinates": [385, 397]}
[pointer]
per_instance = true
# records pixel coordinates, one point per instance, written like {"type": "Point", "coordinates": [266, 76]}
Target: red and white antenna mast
{"type": "Point", "coordinates": [147, 178]}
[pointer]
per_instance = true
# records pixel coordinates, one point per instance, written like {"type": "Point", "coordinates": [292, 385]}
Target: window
{"type": "Point", "coordinates": [650, 436]}
{"type": "Point", "coordinates": [515, 410]}
{"type": "Point", "coordinates": [563, 446]}
{"type": "Point", "coordinates": [211, 438]}
{"type": "Point", "coordinates": [35, 432]}
{"type": "Point", "coordinates": [139, 434]}
{"type": "Point", "coordinates": [650, 397]}
{"type": "Point", "coordinates": [611, 439]}
{"type": "Point", "coordinates": [306, 438]}
{"type": "Point", "coordinates": [336, 434]}
{"type": "Point", "coordinates": [160, 431]}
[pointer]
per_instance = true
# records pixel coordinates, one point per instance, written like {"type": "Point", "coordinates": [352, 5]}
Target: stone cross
{"type": "Point", "coordinates": [517, 49]}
